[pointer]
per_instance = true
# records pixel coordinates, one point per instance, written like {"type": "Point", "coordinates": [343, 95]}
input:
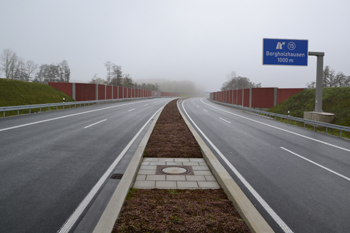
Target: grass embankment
{"type": "Point", "coordinates": [14, 93]}
{"type": "Point", "coordinates": [335, 100]}
{"type": "Point", "coordinates": [159, 210]}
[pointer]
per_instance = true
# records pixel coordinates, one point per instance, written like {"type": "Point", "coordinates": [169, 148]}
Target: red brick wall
{"type": "Point", "coordinates": [230, 97]}
{"type": "Point", "coordinates": [101, 92]}
{"type": "Point", "coordinates": [234, 96]}
{"type": "Point", "coordinates": [120, 89]}
{"type": "Point", "coordinates": [285, 93]}
{"type": "Point", "coordinates": [115, 92]}
{"type": "Point", "coordinates": [262, 97]}
{"type": "Point", "coordinates": [239, 99]}
{"type": "Point", "coordinates": [109, 92]}
{"type": "Point", "coordinates": [64, 87]}
{"type": "Point", "coordinates": [85, 91]}
{"type": "Point", "coordinates": [124, 91]}
{"type": "Point", "coordinates": [246, 97]}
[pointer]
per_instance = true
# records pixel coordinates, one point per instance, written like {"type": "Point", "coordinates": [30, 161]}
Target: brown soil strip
{"type": "Point", "coordinates": [171, 138]}
{"type": "Point", "coordinates": [159, 210]}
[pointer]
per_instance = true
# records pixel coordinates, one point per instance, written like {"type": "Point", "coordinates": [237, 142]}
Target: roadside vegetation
{"type": "Point", "coordinates": [335, 100]}
{"type": "Point", "coordinates": [13, 93]}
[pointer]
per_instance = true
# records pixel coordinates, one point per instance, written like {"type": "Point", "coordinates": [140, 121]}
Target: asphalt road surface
{"type": "Point", "coordinates": [50, 161]}
{"type": "Point", "coordinates": [299, 180]}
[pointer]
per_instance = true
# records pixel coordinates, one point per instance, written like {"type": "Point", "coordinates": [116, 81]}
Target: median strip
{"type": "Point", "coordinates": [171, 154]}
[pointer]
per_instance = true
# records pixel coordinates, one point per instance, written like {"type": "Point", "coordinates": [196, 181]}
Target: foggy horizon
{"type": "Point", "coordinates": [198, 41]}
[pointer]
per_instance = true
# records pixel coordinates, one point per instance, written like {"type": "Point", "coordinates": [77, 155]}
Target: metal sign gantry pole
{"type": "Point", "coordinates": [319, 80]}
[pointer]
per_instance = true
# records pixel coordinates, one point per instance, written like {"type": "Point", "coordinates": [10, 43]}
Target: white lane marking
{"type": "Point", "coordinates": [57, 118]}
{"type": "Point", "coordinates": [197, 106]}
{"type": "Point", "coordinates": [131, 110]}
{"type": "Point", "coordinates": [94, 124]}
{"type": "Point", "coordinates": [275, 127]}
{"type": "Point", "coordinates": [266, 206]}
{"type": "Point", "coordinates": [205, 110]}
{"type": "Point", "coordinates": [79, 210]}
{"type": "Point", "coordinates": [336, 173]}
{"type": "Point", "coordinates": [224, 120]}
{"type": "Point", "coordinates": [145, 105]}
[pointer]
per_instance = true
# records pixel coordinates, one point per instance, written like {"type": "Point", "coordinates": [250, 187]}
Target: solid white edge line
{"type": "Point", "coordinates": [79, 210]}
{"type": "Point", "coordinates": [336, 173]}
{"type": "Point", "coordinates": [263, 203]}
{"type": "Point", "coordinates": [275, 127]}
{"type": "Point", "coordinates": [57, 118]}
{"type": "Point", "coordinates": [94, 124]}
{"type": "Point", "coordinates": [224, 120]}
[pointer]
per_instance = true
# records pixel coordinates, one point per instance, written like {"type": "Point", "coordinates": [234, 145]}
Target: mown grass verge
{"type": "Point", "coordinates": [335, 100]}
{"type": "Point", "coordinates": [14, 93]}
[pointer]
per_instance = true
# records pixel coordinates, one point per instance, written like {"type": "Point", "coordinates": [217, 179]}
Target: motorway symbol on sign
{"type": "Point", "coordinates": [285, 52]}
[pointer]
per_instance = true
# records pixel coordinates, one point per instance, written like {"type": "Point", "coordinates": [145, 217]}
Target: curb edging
{"type": "Point", "coordinates": [115, 204]}
{"type": "Point", "coordinates": [246, 209]}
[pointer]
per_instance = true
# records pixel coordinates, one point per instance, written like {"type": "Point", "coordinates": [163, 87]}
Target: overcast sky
{"type": "Point", "coordinates": [196, 40]}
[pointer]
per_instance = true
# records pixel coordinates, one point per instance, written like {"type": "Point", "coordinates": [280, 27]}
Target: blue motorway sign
{"type": "Point", "coordinates": [285, 52]}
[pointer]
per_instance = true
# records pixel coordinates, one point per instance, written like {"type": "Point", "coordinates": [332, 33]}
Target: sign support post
{"type": "Point", "coordinates": [319, 80]}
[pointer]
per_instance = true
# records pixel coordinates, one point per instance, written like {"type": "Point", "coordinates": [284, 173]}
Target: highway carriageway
{"type": "Point", "coordinates": [298, 179]}
{"type": "Point", "coordinates": [52, 164]}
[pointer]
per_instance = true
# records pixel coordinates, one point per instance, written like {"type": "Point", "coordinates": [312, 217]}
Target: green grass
{"type": "Point", "coordinates": [335, 100]}
{"type": "Point", "coordinates": [131, 193]}
{"type": "Point", "coordinates": [14, 93]}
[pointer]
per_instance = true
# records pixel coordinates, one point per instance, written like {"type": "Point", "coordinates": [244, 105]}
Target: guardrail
{"type": "Point", "coordinates": [288, 118]}
{"type": "Point", "coordinates": [66, 104]}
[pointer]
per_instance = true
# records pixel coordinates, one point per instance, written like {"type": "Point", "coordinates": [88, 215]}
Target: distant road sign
{"type": "Point", "coordinates": [285, 52]}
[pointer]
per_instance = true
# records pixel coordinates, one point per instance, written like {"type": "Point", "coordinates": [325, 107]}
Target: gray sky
{"type": "Point", "coordinates": [197, 40]}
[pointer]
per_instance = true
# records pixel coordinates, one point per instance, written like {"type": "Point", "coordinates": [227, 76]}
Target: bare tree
{"type": "Point", "coordinates": [311, 85]}
{"type": "Point", "coordinates": [117, 77]}
{"type": "Point", "coordinates": [31, 68]}
{"type": "Point", "coordinates": [109, 66]}
{"type": "Point", "coordinates": [239, 82]}
{"type": "Point", "coordinates": [330, 79]}
{"type": "Point", "coordinates": [9, 63]}
{"type": "Point", "coordinates": [20, 72]}
{"type": "Point", "coordinates": [127, 81]}
{"type": "Point", "coordinates": [97, 80]}
{"type": "Point", "coordinates": [64, 71]}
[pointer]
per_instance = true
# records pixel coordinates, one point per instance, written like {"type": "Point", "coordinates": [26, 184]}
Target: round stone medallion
{"type": "Point", "coordinates": [174, 170]}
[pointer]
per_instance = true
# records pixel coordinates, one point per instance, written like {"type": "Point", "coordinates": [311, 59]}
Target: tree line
{"type": "Point", "coordinates": [115, 76]}
{"type": "Point", "coordinates": [233, 82]}
{"type": "Point", "coordinates": [17, 68]}
{"type": "Point", "coordinates": [331, 79]}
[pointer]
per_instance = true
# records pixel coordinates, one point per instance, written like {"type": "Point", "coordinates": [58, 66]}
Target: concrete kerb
{"type": "Point", "coordinates": [115, 204]}
{"type": "Point", "coordinates": [246, 209]}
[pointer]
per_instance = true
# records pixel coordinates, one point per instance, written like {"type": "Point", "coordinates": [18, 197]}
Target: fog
{"type": "Point", "coordinates": [199, 42]}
